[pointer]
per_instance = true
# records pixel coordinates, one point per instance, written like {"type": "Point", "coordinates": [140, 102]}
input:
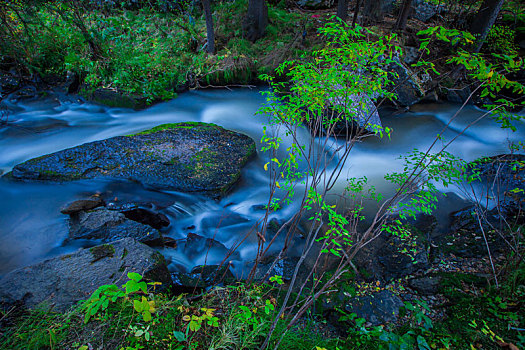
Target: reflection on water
{"type": "Point", "coordinates": [32, 227]}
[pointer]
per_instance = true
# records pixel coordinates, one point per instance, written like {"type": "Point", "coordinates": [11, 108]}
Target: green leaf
{"type": "Point", "coordinates": [137, 305]}
{"type": "Point", "coordinates": [134, 276]}
{"type": "Point", "coordinates": [179, 336]}
{"type": "Point", "coordinates": [422, 343]}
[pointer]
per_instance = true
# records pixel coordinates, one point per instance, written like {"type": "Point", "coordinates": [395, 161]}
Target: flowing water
{"type": "Point", "coordinates": [32, 227]}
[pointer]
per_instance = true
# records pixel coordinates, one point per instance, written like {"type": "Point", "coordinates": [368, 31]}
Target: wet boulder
{"type": "Point", "coordinates": [108, 225]}
{"type": "Point", "coordinates": [62, 281]}
{"type": "Point", "coordinates": [25, 93]}
{"type": "Point", "coordinates": [377, 308]}
{"type": "Point", "coordinates": [204, 276]}
{"type": "Point", "coordinates": [398, 258]}
{"type": "Point", "coordinates": [147, 217]}
{"type": "Point", "coordinates": [365, 117]}
{"type": "Point", "coordinates": [186, 157]}
{"type": "Point", "coordinates": [426, 285]}
{"type": "Point", "coordinates": [503, 177]}
{"type": "Point", "coordinates": [460, 95]}
{"type": "Point", "coordinates": [197, 246]}
{"type": "Point", "coordinates": [407, 85]}
{"type": "Point", "coordinates": [470, 227]}
{"type": "Point", "coordinates": [283, 267]}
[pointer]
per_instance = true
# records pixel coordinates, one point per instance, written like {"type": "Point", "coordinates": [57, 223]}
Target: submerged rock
{"type": "Point", "coordinates": [196, 246]}
{"type": "Point", "coordinates": [186, 157]}
{"type": "Point", "coordinates": [64, 280]}
{"type": "Point", "coordinates": [147, 217]}
{"type": "Point", "coordinates": [108, 225]}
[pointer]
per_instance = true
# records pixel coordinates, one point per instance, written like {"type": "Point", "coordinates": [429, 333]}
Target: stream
{"type": "Point", "coordinates": [33, 229]}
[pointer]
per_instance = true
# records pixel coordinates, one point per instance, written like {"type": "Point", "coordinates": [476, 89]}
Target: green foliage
{"type": "Point", "coordinates": [104, 295]}
{"type": "Point", "coordinates": [142, 58]}
{"type": "Point", "coordinates": [493, 76]}
{"type": "Point", "coordinates": [314, 80]}
{"type": "Point", "coordinates": [501, 39]}
{"type": "Point", "coordinates": [143, 51]}
{"type": "Point", "coordinates": [239, 318]}
{"type": "Point", "coordinates": [428, 169]}
{"type": "Point", "coordinates": [37, 330]}
{"type": "Point", "coordinates": [100, 299]}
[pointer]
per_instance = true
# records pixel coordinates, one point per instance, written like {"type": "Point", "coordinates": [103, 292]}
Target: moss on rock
{"type": "Point", "coordinates": [102, 251]}
{"type": "Point", "coordinates": [185, 125]}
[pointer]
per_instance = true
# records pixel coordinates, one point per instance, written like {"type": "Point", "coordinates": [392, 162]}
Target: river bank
{"type": "Point", "coordinates": [241, 219]}
{"type": "Point", "coordinates": [195, 222]}
{"type": "Point", "coordinates": [151, 55]}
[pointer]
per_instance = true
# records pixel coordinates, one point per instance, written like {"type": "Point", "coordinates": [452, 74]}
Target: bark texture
{"type": "Point", "coordinates": [256, 20]}
{"type": "Point", "coordinates": [210, 34]}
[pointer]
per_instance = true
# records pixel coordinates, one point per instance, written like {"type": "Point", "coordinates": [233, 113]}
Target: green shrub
{"type": "Point", "coordinates": [501, 40]}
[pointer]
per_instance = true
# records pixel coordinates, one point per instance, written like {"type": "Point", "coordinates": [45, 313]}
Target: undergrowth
{"type": "Point", "coordinates": [238, 317]}
{"type": "Point", "coordinates": [147, 52]}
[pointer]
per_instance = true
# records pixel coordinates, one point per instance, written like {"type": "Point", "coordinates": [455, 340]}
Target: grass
{"type": "Point", "coordinates": [243, 320]}
{"type": "Point", "coordinates": [117, 326]}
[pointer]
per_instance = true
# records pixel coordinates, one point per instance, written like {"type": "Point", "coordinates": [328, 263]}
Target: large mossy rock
{"type": "Point", "coordinates": [64, 280]}
{"type": "Point", "coordinates": [186, 157]}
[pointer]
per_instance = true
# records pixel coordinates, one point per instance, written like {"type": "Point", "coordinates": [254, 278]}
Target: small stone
{"type": "Point", "coordinates": [82, 205]}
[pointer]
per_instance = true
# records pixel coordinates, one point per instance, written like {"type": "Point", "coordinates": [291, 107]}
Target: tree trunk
{"type": "Point", "coordinates": [342, 9]}
{"type": "Point", "coordinates": [373, 11]}
{"type": "Point", "coordinates": [210, 34]}
{"type": "Point", "coordinates": [256, 19]}
{"type": "Point", "coordinates": [356, 12]}
{"type": "Point", "coordinates": [485, 18]}
{"type": "Point", "coordinates": [401, 22]}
